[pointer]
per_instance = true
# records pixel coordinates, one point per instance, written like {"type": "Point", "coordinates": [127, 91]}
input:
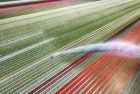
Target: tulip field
{"type": "Point", "coordinates": [30, 32]}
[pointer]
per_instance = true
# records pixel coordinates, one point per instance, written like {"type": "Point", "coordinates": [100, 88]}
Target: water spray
{"type": "Point", "coordinates": [117, 47]}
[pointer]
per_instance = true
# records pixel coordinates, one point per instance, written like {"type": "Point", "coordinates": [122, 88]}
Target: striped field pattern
{"type": "Point", "coordinates": [28, 38]}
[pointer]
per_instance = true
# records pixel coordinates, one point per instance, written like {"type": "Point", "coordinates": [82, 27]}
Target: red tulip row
{"type": "Point", "coordinates": [4, 8]}
{"type": "Point", "coordinates": [107, 74]}
{"type": "Point", "coordinates": [19, 3]}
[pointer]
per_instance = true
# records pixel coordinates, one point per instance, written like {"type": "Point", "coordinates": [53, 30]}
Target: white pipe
{"type": "Point", "coordinates": [16, 2]}
{"type": "Point", "coordinates": [3, 58]}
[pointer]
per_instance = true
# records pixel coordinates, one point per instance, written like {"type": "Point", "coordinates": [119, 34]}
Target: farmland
{"type": "Point", "coordinates": [28, 38]}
